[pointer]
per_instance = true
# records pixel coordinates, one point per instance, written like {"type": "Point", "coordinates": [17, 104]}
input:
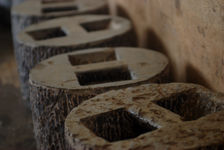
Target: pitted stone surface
{"type": "Point", "coordinates": [41, 41]}
{"type": "Point", "coordinates": [85, 128]}
{"type": "Point", "coordinates": [56, 84]}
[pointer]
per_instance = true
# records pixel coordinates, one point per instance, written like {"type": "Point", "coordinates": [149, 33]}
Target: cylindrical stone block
{"type": "Point", "coordinates": [46, 39]}
{"type": "Point", "coordinates": [61, 83]}
{"type": "Point", "coordinates": [34, 11]}
{"type": "Point", "coordinates": [149, 117]}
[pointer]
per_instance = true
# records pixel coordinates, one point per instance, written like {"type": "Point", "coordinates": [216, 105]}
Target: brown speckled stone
{"type": "Point", "coordinates": [171, 116]}
{"type": "Point", "coordinates": [34, 11]}
{"type": "Point", "coordinates": [43, 40]}
{"type": "Point", "coordinates": [63, 82]}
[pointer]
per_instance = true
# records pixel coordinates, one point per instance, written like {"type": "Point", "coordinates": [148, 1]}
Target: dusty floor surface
{"type": "Point", "coordinates": [16, 131]}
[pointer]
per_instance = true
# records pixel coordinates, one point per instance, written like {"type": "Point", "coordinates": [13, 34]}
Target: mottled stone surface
{"type": "Point", "coordinates": [61, 83]}
{"type": "Point", "coordinates": [16, 128]}
{"type": "Point", "coordinates": [43, 40]}
{"type": "Point", "coordinates": [153, 117]}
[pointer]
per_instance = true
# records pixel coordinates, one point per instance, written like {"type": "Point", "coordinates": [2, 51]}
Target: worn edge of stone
{"type": "Point", "coordinates": [155, 139]}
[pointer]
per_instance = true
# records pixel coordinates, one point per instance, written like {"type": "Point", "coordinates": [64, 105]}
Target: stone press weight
{"type": "Point", "coordinates": [62, 82]}
{"type": "Point", "coordinates": [43, 40]}
{"type": "Point", "coordinates": [149, 117]}
{"type": "Point", "coordinates": [34, 11]}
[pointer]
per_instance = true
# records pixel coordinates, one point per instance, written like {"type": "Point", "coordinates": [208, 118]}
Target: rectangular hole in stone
{"type": "Point", "coordinates": [96, 25]}
{"type": "Point", "coordinates": [117, 125]}
{"type": "Point", "coordinates": [44, 34]}
{"type": "Point", "coordinates": [59, 9]}
{"type": "Point", "coordinates": [104, 76]}
{"type": "Point", "coordinates": [94, 57]}
{"type": "Point", "coordinates": [189, 105]}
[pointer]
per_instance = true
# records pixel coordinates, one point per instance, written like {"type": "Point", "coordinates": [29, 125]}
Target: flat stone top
{"type": "Point", "coordinates": [181, 116]}
{"type": "Point", "coordinates": [75, 31]}
{"type": "Point", "coordinates": [57, 9]}
{"type": "Point", "coordinates": [99, 68]}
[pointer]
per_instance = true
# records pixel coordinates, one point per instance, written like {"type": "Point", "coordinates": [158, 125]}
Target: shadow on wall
{"type": "Point", "coordinates": [193, 75]}
{"type": "Point", "coordinates": [151, 40]}
{"type": "Point", "coordinates": [120, 11]}
{"type": "Point", "coordinates": [154, 42]}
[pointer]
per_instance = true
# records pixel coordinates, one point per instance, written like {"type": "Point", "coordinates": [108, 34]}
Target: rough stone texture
{"type": "Point", "coordinates": [34, 11]}
{"type": "Point", "coordinates": [57, 87]}
{"type": "Point", "coordinates": [190, 32]}
{"type": "Point", "coordinates": [171, 116]}
{"type": "Point", "coordinates": [65, 35]}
